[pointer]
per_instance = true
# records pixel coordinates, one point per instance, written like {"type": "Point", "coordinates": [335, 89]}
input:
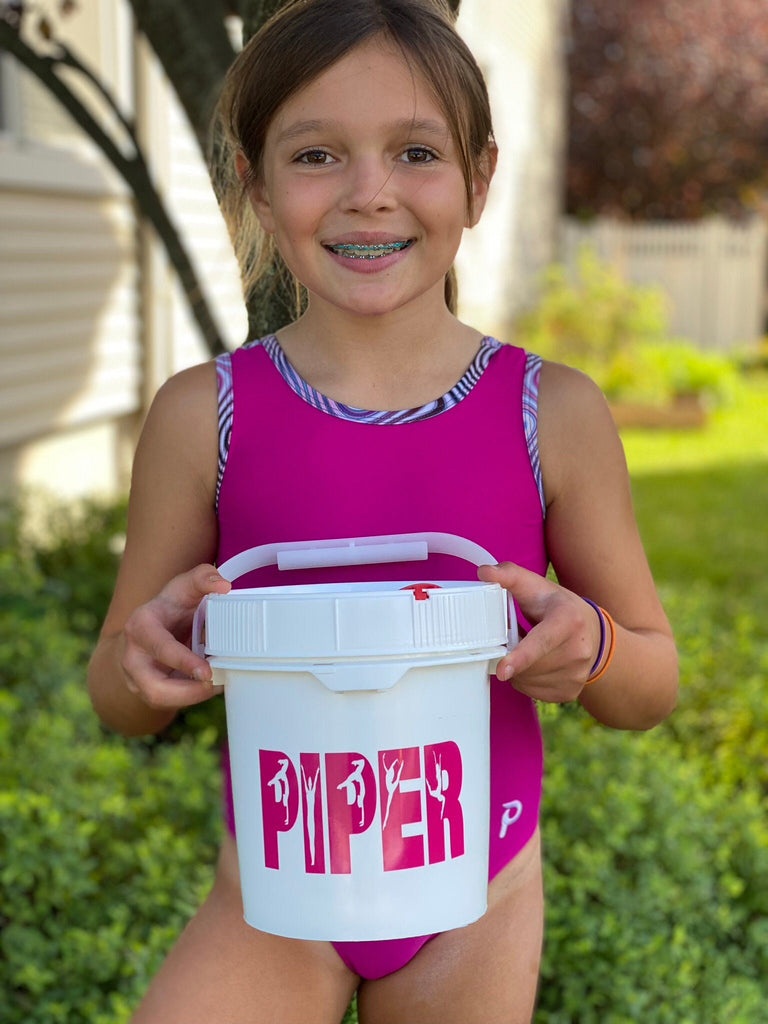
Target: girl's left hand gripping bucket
{"type": "Point", "coordinates": [358, 721]}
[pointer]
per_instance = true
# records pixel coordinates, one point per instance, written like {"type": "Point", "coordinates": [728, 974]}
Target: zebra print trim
{"type": "Point", "coordinates": [531, 420]}
{"type": "Point", "coordinates": [226, 407]}
{"type": "Point", "coordinates": [488, 347]}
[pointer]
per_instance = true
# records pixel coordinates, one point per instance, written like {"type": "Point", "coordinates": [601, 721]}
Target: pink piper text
{"type": "Point", "coordinates": [410, 785]}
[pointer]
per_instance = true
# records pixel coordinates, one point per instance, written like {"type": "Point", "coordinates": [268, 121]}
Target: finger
{"type": "Point", "coordinates": [185, 592]}
{"type": "Point", "coordinates": [148, 631]}
{"type": "Point", "coordinates": [160, 689]}
{"type": "Point", "coordinates": [530, 590]}
{"type": "Point", "coordinates": [542, 641]}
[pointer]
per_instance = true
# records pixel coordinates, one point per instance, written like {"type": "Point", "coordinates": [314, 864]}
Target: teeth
{"type": "Point", "coordinates": [368, 252]}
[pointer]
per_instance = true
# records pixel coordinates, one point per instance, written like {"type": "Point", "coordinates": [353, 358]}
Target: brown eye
{"type": "Point", "coordinates": [418, 155]}
{"type": "Point", "coordinates": [316, 157]}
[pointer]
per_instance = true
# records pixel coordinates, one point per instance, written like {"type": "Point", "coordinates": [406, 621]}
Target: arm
{"type": "Point", "coordinates": [595, 549]}
{"type": "Point", "coordinates": [141, 671]}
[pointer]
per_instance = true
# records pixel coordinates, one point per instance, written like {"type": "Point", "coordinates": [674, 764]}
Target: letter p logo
{"type": "Point", "coordinates": [279, 800]}
{"type": "Point", "coordinates": [512, 811]}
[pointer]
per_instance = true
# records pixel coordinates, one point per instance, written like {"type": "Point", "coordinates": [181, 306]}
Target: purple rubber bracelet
{"type": "Point", "coordinates": [602, 637]}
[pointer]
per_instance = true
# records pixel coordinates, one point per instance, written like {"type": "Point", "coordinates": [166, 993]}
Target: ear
{"type": "Point", "coordinates": [256, 191]}
{"type": "Point", "coordinates": [481, 182]}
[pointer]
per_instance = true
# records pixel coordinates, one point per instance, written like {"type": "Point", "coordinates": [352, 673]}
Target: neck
{"type": "Point", "coordinates": [396, 360]}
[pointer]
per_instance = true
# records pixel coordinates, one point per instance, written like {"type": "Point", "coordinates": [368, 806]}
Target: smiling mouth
{"type": "Point", "coordinates": [354, 251]}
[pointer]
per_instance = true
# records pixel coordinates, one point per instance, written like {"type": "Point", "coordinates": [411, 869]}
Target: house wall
{"type": "Point", "coordinates": [69, 319]}
{"type": "Point", "coordinates": [519, 46]}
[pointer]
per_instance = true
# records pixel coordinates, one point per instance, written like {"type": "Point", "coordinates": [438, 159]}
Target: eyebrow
{"type": "Point", "coordinates": [407, 125]}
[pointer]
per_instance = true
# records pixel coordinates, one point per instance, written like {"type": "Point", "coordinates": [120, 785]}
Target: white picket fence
{"type": "Point", "coordinates": [713, 271]}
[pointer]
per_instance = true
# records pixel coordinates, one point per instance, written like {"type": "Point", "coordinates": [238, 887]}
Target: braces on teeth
{"type": "Point", "coordinates": [368, 252]}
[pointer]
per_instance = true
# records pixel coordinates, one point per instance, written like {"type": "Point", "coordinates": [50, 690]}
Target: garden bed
{"type": "Point", "coordinates": [684, 412]}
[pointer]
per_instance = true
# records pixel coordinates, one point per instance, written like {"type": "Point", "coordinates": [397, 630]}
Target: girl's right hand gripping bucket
{"type": "Point", "coordinates": [358, 721]}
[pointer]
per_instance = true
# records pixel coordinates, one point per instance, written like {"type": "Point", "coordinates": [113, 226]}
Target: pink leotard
{"type": "Point", "coordinates": [295, 465]}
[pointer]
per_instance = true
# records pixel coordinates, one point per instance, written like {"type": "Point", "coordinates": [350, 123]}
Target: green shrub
{"type": "Point", "coordinates": [660, 372]}
{"type": "Point", "coordinates": [706, 543]}
{"type": "Point", "coordinates": [657, 884]}
{"type": "Point", "coordinates": [618, 333]}
{"type": "Point", "coordinates": [754, 357]}
{"type": "Point", "coordinates": [76, 548]}
{"type": "Point", "coordinates": [106, 845]}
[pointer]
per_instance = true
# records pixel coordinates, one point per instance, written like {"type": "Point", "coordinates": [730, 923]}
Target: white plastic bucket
{"type": "Point", "coordinates": [358, 721]}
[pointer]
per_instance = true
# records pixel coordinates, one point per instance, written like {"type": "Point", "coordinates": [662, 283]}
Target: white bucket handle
{"type": "Point", "coordinates": [316, 554]}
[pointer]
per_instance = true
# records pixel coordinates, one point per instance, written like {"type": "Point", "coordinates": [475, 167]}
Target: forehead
{"type": "Point", "coordinates": [372, 85]}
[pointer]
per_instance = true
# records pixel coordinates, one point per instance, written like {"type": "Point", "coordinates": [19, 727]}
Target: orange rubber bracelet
{"type": "Point", "coordinates": [611, 647]}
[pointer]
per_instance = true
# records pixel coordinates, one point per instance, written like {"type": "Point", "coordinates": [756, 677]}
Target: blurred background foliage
{"type": "Point", "coordinates": [668, 105]}
{"type": "Point", "coordinates": [618, 333]}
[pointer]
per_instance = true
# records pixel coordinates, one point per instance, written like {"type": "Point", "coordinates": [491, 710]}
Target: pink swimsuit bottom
{"type": "Point", "coordinates": [515, 795]}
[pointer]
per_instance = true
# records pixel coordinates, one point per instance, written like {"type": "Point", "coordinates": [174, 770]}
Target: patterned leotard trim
{"type": "Point", "coordinates": [488, 348]}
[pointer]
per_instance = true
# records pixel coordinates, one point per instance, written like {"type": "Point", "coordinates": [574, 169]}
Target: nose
{"type": "Point", "coordinates": [368, 185]}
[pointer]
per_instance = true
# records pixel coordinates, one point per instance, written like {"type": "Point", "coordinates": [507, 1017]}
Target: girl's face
{"type": "Point", "coordinates": [362, 187]}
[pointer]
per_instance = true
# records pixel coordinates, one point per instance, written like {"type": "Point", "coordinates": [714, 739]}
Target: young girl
{"type": "Point", "coordinates": [362, 143]}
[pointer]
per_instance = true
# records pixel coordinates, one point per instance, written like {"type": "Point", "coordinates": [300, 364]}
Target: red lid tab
{"type": "Point", "coordinates": [420, 589]}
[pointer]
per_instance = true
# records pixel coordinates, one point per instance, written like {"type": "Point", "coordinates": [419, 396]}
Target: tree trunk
{"type": "Point", "coordinates": [192, 44]}
{"type": "Point", "coordinates": [273, 304]}
{"type": "Point", "coordinates": [254, 13]}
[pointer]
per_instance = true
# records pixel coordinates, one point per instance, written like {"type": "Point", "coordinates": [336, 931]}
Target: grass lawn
{"type": "Point", "coordinates": [701, 500]}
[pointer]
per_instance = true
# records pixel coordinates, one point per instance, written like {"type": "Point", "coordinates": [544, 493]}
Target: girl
{"type": "Point", "coordinates": [362, 145]}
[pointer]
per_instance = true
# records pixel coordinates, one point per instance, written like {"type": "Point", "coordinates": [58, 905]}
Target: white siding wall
{"type": "Point", "coordinates": [68, 320]}
{"type": "Point", "coordinates": [92, 319]}
{"type": "Point", "coordinates": [194, 206]}
{"type": "Point", "coordinates": [518, 45]}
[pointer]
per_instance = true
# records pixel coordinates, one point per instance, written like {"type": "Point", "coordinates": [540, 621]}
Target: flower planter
{"type": "Point", "coordinates": [683, 412]}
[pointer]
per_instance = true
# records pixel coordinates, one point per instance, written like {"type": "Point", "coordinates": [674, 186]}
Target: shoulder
{"type": "Point", "coordinates": [563, 387]}
{"type": "Point", "coordinates": [576, 428]}
{"type": "Point", "coordinates": [180, 427]}
{"type": "Point", "coordinates": [185, 398]}
{"type": "Point", "coordinates": [571, 403]}
{"type": "Point", "coordinates": [196, 382]}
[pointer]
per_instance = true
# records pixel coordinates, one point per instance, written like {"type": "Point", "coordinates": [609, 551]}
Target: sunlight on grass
{"type": "Point", "coordinates": [701, 497]}
{"type": "Point", "coordinates": [736, 433]}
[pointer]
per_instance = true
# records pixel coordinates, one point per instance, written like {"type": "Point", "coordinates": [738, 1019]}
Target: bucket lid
{"type": "Point", "coordinates": [352, 620]}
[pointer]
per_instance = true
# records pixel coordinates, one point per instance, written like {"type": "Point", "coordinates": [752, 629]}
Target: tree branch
{"type": "Point", "coordinates": [68, 59]}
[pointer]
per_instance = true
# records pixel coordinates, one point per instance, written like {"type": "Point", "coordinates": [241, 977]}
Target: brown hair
{"type": "Point", "coordinates": [302, 39]}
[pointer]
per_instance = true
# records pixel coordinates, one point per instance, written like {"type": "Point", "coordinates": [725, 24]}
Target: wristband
{"type": "Point", "coordinates": [601, 648]}
{"type": "Point", "coordinates": [611, 646]}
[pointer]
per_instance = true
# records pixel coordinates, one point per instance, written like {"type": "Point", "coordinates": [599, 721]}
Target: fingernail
{"type": "Point", "coordinates": [504, 673]}
{"type": "Point", "coordinates": [215, 578]}
{"type": "Point", "coordinates": [201, 675]}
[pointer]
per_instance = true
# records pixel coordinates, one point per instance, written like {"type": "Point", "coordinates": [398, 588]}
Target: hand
{"type": "Point", "coordinates": [552, 662]}
{"type": "Point", "coordinates": [158, 667]}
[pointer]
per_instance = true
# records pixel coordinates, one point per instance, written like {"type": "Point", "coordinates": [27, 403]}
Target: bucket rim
{"type": "Point", "coordinates": [426, 659]}
{"type": "Point", "coordinates": [360, 589]}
